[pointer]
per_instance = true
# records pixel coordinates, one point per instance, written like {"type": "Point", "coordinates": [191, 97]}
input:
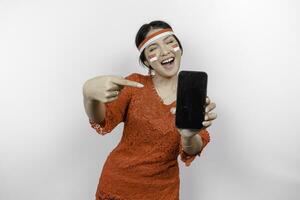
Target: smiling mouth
{"type": "Point", "coordinates": [168, 61]}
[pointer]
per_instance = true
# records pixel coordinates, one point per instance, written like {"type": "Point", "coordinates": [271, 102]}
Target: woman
{"type": "Point", "coordinates": [144, 164]}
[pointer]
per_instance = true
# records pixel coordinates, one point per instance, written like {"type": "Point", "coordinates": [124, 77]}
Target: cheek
{"type": "Point", "coordinates": [175, 47]}
{"type": "Point", "coordinates": [152, 57]}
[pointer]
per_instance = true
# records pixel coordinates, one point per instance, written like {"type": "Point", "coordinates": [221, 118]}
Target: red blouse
{"type": "Point", "coordinates": [143, 166]}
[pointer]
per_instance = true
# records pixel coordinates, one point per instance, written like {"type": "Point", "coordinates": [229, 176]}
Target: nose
{"type": "Point", "coordinates": [164, 50]}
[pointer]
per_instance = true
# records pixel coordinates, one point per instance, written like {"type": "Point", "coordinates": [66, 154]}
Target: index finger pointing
{"type": "Point", "coordinates": [125, 82]}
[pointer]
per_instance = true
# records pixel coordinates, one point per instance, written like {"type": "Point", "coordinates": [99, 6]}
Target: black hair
{"type": "Point", "coordinates": [144, 30]}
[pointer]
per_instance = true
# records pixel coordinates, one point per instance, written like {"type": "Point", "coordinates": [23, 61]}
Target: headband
{"type": "Point", "coordinates": [154, 36]}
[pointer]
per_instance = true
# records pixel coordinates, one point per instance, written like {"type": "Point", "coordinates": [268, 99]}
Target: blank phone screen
{"type": "Point", "coordinates": [191, 96]}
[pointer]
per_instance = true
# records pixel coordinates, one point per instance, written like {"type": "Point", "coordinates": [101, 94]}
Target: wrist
{"type": "Point", "coordinates": [192, 145]}
{"type": "Point", "coordinates": [187, 141]}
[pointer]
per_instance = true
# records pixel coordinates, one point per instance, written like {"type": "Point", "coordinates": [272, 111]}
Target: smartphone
{"type": "Point", "coordinates": [191, 98]}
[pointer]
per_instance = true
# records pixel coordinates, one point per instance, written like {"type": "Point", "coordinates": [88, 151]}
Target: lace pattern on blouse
{"type": "Point", "coordinates": [106, 196]}
{"type": "Point", "coordinates": [148, 123]}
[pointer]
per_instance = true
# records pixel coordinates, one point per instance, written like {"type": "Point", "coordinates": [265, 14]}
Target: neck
{"type": "Point", "coordinates": [165, 83]}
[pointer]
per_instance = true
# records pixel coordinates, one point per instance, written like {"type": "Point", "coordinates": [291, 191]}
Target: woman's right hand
{"type": "Point", "coordinates": [106, 88]}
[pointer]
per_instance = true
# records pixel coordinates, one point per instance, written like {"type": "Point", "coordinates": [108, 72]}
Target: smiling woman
{"type": "Point", "coordinates": [144, 165]}
{"type": "Point", "coordinates": [147, 37]}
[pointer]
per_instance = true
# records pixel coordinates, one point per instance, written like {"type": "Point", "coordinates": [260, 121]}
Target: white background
{"type": "Point", "coordinates": [250, 50]}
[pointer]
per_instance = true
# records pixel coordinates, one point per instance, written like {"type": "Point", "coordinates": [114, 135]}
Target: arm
{"type": "Point", "coordinates": [188, 155]}
{"type": "Point", "coordinates": [100, 90]}
{"type": "Point", "coordinates": [94, 109]}
{"type": "Point", "coordinates": [106, 100]}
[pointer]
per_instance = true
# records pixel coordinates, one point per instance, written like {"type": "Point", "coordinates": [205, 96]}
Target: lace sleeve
{"type": "Point", "coordinates": [186, 158]}
{"type": "Point", "coordinates": [115, 111]}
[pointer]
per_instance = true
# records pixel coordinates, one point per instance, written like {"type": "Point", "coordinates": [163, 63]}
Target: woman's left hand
{"type": "Point", "coordinates": [209, 117]}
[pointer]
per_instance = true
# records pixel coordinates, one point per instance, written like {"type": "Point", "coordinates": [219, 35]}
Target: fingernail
{"type": "Point", "coordinates": [140, 85]}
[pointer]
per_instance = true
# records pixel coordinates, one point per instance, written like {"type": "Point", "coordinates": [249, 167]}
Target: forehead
{"type": "Point", "coordinates": [161, 38]}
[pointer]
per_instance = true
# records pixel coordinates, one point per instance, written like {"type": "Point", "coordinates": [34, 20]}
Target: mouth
{"type": "Point", "coordinates": [168, 63]}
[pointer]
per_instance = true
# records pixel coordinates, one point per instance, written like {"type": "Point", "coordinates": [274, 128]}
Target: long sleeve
{"type": "Point", "coordinates": [187, 159]}
{"type": "Point", "coordinates": [116, 111]}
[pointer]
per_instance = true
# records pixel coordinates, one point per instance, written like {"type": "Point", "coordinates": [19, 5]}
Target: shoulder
{"type": "Point", "coordinates": [137, 77]}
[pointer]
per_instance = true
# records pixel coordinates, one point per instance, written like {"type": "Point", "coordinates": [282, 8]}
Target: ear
{"type": "Point", "coordinates": [146, 63]}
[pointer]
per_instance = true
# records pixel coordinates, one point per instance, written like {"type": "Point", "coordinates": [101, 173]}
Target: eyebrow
{"type": "Point", "coordinates": [152, 45]}
{"type": "Point", "coordinates": [167, 37]}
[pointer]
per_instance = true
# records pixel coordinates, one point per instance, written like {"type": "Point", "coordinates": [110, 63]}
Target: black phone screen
{"type": "Point", "coordinates": [191, 97]}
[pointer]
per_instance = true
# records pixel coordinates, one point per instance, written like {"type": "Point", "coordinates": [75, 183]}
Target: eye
{"type": "Point", "coordinates": [171, 41]}
{"type": "Point", "coordinates": [152, 49]}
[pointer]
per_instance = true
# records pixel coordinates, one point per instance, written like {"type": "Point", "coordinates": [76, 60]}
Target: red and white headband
{"type": "Point", "coordinates": [154, 36]}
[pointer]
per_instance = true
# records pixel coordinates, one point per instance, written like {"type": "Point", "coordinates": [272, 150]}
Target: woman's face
{"type": "Point", "coordinates": [164, 55]}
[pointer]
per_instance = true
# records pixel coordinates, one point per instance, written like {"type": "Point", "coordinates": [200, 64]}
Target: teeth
{"type": "Point", "coordinates": [167, 60]}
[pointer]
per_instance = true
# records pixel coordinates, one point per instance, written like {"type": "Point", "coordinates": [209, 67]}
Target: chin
{"type": "Point", "coordinates": [171, 73]}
